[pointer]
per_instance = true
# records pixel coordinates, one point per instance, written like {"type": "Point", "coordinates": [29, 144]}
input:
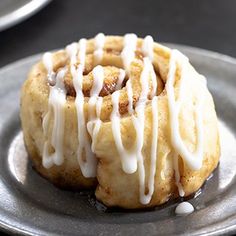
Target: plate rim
{"type": "Point", "coordinates": [22, 13]}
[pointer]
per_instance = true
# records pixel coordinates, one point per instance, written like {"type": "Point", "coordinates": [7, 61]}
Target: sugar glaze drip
{"type": "Point", "coordinates": [99, 44]}
{"type": "Point", "coordinates": [184, 208]}
{"type": "Point", "coordinates": [87, 167]}
{"type": "Point", "coordinates": [72, 51]}
{"type": "Point", "coordinates": [57, 100]}
{"type": "Point", "coordinates": [128, 158]}
{"type": "Point", "coordinates": [133, 159]}
{"type": "Point", "coordinates": [94, 124]}
{"type": "Point", "coordinates": [194, 160]}
{"type": "Point", "coordinates": [47, 61]}
{"type": "Point", "coordinates": [147, 47]}
{"type": "Point", "coordinates": [120, 79]}
{"type": "Point", "coordinates": [128, 52]}
{"type": "Point", "coordinates": [139, 124]}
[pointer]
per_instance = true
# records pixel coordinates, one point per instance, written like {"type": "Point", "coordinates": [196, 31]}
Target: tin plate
{"type": "Point", "coordinates": [30, 205]}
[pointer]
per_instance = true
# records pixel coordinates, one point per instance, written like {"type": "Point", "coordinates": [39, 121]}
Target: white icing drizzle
{"type": "Point", "coordinates": [128, 55]}
{"type": "Point", "coordinates": [57, 100]}
{"type": "Point", "coordinates": [88, 167]}
{"type": "Point", "coordinates": [131, 159]}
{"type": "Point", "coordinates": [184, 208]}
{"type": "Point", "coordinates": [177, 174]}
{"type": "Point", "coordinates": [72, 50]}
{"type": "Point", "coordinates": [151, 182]}
{"type": "Point", "coordinates": [47, 61]}
{"type": "Point", "coordinates": [97, 122]}
{"type": "Point", "coordinates": [128, 157]}
{"type": "Point", "coordinates": [154, 81]}
{"type": "Point", "coordinates": [147, 47]}
{"type": "Point", "coordinates": [94, 124]}
{"type": "Point", "coordinates": [139, 122]}
{"type": "Point", "coordinates": [128, 52]}
{"type": "Point", "coordinates": [120, 79]}
{"type": "Point", "coordinates": [194, 160]}
{"type": "Point", "coordinates": [146, 198]}
{"type": "Point", "coordinates": [99, 44]}
{"type": "Point", "coordinates": [98, 76]}
{"type": "Point", "coordinates": [82, 52]}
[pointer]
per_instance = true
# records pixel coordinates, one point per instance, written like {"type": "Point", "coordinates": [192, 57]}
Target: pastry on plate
{"type": "Point", "coordinates": [125, 116]}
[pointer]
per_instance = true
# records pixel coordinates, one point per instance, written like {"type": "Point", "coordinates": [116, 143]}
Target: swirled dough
{"type": "Point", "coordinates": [133, 155]}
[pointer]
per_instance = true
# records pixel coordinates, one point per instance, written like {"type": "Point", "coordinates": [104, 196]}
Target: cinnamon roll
{"type": "Point", "coordinates": [124, 115]}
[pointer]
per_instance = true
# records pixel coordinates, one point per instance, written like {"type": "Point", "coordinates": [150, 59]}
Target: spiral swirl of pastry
{"type": "Point", "coordinates": [125, 97]}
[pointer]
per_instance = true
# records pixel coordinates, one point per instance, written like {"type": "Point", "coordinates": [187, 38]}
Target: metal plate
{"type": "Point", "coordinates": [31, 205]}
{"type": "Point", "coordinates": [13, 12]}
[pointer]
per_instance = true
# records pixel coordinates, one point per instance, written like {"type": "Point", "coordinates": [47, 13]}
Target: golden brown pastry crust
{"type": "Point", "coordinates": [114, 186]}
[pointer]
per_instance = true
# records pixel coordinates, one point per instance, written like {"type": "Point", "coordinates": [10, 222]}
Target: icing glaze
{"type": "Point", "coordinates": [99, 44]}
{"type": "Point", "coordinates": [128, 52]}
{"type": "Point", "coordinates": [194, 160]}
{"type": "Point", "coordinates": [184, 208]}
{"type": "Point", "coordinates": [72, 50]}
{"type": "Point", "coordinates": [139, 124]}
{"type": "Point", "coordinates": [147, 47]}
{"type": "Point", "coordinates": [57, 100]}
{"type": "Point", "coordinates": [88, 167]}
{"type": "Point", "coordinates": [132, 159]}
{"type": "Point", "coordinates": [48, 63]}
{"type": "Point", "coordinates": [128, 157]}
{"type": "Point", "coordinates": [94, 124]}
{"type": "Point", "coordinates": [120, 79]}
